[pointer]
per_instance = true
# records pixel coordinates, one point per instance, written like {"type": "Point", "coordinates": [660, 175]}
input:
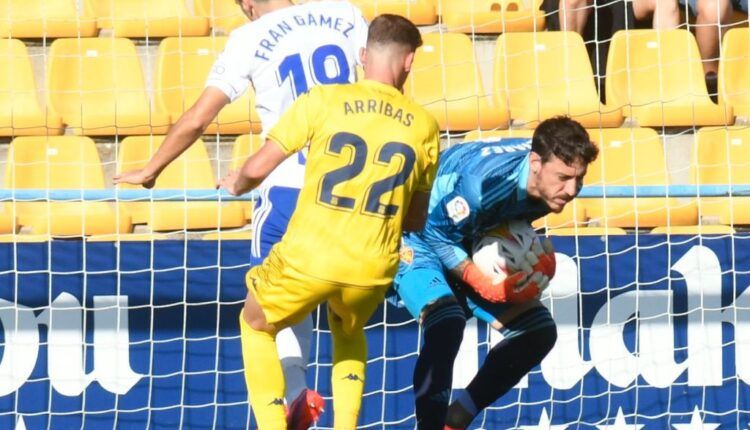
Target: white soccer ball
{"type": "Point", "coordinates": [504, 250]}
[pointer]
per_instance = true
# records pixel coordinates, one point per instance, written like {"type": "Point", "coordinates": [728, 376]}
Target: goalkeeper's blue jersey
{"type": "Point", "coordinates": [478, 186]}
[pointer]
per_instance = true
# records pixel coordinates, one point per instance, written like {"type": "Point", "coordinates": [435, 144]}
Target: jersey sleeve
{"type": "Point", "coordinates": [295, 127]}
{"type": "Point", "coordinates": [231, 70]}
{"type": "Point", "coordinates": [432, 153]}
{"type": "Point", "coordinates": [451, 220]}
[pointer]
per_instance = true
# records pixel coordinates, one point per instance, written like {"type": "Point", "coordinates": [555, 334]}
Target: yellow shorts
{"type": "Point", "coordinates": [287, 296]}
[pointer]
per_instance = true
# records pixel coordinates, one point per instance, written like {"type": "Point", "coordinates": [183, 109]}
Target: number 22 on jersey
{"type": "Point", "coordinates": [357, 163]}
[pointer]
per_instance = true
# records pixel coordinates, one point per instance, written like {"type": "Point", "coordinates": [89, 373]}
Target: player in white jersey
{"type": "Point", "coordinates": [284, 51]}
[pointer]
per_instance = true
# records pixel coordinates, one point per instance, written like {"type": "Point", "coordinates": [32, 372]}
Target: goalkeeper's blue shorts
{"type": "Point", "coordinates": [422, 281]}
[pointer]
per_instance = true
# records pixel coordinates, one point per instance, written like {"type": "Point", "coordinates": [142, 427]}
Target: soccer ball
{"type": "Point", "coordinates": [503, 250]}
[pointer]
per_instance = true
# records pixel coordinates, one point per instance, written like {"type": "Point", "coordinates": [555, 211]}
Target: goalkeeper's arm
{"type": "Point", "coordinates": [517, 287]}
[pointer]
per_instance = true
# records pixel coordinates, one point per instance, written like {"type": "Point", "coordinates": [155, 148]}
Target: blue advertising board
{"type": "Point", "coordinates": [653, 334]}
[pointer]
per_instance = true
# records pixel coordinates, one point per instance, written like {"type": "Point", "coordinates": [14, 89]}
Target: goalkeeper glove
{"type": "Point", "coordinates": [515, 288]}
{"type": "Point", "coordinates": [542, 258]}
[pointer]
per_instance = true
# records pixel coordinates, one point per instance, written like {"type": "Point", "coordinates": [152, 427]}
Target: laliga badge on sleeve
{"type": "Point", "coordinates": [458, 209]}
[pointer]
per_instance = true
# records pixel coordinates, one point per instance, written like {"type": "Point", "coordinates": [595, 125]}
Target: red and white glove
{"type": "Point", "coordinates": [517, 287]}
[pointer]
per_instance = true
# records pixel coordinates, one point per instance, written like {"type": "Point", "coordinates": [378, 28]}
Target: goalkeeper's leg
{"type": "Point", "coordinates": [527, 340]}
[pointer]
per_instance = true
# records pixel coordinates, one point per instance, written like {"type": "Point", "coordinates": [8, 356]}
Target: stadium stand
{"type": "Point", "coordinates": [420, 12]}
{"type": "Point", "coordinates": [182, 66]}
{"type": "Point", "coordinates": [723, 157]}
{"type": "Point", "coordinates": [192, 170]}
{"type": "Point", "coordinates": [491, 16]}
{"type": "Point", "coordinates": [657, 78]}
{"type": "Point", "coordinates": [45, 19]}
{"type": "Point", "coordinates": [547, 74]}
{"type": "Point", "coordinates": [60, 162]}
{"type": "Point", "coordinates": [633, 156]}
{"type": "Point", "coordinates": [734, 79]}
{"type": "Point", "coordinates": [445, 80]}
{"type": "Point", "coordinates": [20, 113]}
{"type": "Point", "coordinates": [148, 18]}
{"type": "Point", "coordinates": [96, 85]}
{"type": "Point", "coordinates": [222, 15]}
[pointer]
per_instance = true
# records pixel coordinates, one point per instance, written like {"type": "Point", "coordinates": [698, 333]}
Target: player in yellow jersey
{"type": "Point", "coordinates": [371, 161]}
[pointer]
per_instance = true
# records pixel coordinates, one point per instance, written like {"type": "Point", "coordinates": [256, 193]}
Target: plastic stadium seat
{"type": "Point", "coordinates": [656, 76]}
{"type": "Point", "coordinates": [182, 68]}
{"type": "Point", "coordinates": [633, 157]}
{"type": "Point", "coordinates": [547, 74]}
{"type": "Point", "coordinates": [587, 231]}
{"type": "Point", "coordinates": [192, 170]}
{"type": "Point", "coordinates": [694, 230]}
{"type": "Point", "coordinates": [223, 14]}
{"type": "Point", "coordinates": [490, 134]}
{"type": "Point", "coordinates": [420, 12]}
{"type": "Point", "coordinates": [492, 16]}
{"type": "Point", "coordinates": [20, 113]}
{"type": "Point", "coordinates": [723, 158]}
{"type": "Point", "coordinates": [445, 80]}
{"type": "Point", "coordinates": [45, 18]}
{"type": "Point", "coordinates": [96, 86]}
{"type": "Point", "coordinates": [244, 146]}
{"type": "Point", "coordinates": [734, 79]}
{"type": "Point", "coordinates": [60, 162]}
{"type": "Point", "coordinates": [148, 18]}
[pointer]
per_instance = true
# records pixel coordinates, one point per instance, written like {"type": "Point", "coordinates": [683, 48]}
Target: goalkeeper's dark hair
{"type": "Point", "coordinates": [564, 138]}
{"type": "Point", "coordinates": [394, 29]}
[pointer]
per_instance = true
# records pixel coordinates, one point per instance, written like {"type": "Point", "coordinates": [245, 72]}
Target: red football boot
{"type": "Point", "coordinates": [304, 410]}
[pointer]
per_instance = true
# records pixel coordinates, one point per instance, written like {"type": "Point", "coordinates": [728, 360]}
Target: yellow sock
{"type": "Point", "coordinates": [348, 374]}
{"type": "Point", "coordinates": [264, 377]}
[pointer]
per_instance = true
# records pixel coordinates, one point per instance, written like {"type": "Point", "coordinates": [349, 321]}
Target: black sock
{"type": "Point", "coordinates": [443, 328]}
{"type": "Point", "coordinates": [527, 341]}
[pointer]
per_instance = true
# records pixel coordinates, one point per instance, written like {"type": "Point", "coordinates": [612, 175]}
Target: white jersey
{"type": "Point", "coordinates": [283, 54]}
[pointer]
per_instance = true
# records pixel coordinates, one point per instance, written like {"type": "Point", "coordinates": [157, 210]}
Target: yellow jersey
{"type": "Point", "coordinates": [370, 149]}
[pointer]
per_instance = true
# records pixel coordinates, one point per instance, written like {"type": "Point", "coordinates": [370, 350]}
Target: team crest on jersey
{"type": "Point", "coordinates": [406, 254]}
{"type": "Point", "coordinates": [458, 209]}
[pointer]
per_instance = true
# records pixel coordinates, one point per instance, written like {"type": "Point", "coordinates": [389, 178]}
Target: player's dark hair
{"type": "Point", "coordinates": [387, 28]}
{"type": "Point", "coordinates": [564, 138]}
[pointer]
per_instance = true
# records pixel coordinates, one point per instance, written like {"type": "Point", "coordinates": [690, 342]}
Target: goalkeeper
{"type": "Point", "coordinates": [479, 186]}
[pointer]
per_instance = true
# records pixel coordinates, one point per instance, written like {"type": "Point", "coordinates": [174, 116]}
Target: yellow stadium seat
{"type": "Point", "coordinates": [492, 16]}
{"type": "Point", "coordinates": [60, 162]}
{"type": "Point", "coordinates": [587, 231]}
{"type": "Point", "coordinates": [546, 74]}
{"type": "Point", "coordinates": [244, 147]}
{"type": "Point", "coordinates": [694, 230]}
{"type": "Point", "coordinates": [192, 170]}
{"type": "Point", "coordinates": [445, 80]}
{"type": "Point", "coordinates": [734, 79]}
{"type": "Point", "coordinates": [491, 134]}
{"type": "Point", "coordinates": [182, 68]}
{"type": "Point", "coordinates": [656, 76]}
{"type": "Point", "coordinates": [96, 85]}
{"type": "Point", "coordinates": [129, 237]}
{"type": "Point", "coordinates": [148, 18]}
{"type": "Point", "coordinates": [20, 114]}
{"type": "Point", "coordinates": [420, 12]}
{"type": "Point", "coordinates": [223, 14]}
{"type": "Point", "coordinates": [724, 159]}
{"type": "Point", "coordinates": [633, 157]}
{"type": "Point", "coordinates": [45, 18]}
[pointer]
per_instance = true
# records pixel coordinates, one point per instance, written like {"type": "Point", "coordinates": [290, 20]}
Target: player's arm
{"type": "Point", "coordinates": [256, 168]}
{"type": "Point", "coordinates": [181, 135]}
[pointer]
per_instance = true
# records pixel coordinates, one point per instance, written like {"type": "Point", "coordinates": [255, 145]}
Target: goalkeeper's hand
{"type": "Point", "coordinates": [542, 258]}
{"type": "Point", "coordinates": [517, 287]}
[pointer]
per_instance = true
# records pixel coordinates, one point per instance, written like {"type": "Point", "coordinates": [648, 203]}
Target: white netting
{"type": "Point", "coordinates": [136, 325]}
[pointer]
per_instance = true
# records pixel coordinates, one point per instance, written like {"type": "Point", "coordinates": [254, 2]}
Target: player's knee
{"type": "Point", "coordinates": [445, 319]}
{"type": "Point", "coordinates": [538, 329]}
